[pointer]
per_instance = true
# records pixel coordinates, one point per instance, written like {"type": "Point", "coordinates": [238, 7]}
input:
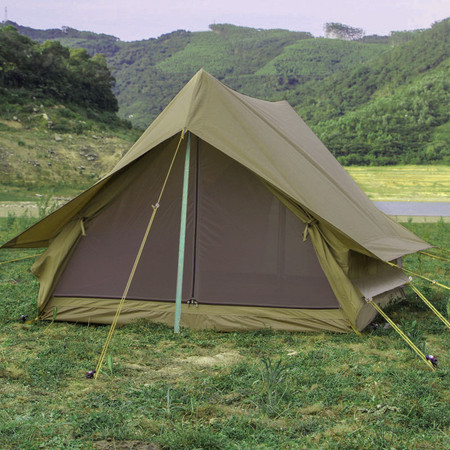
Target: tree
{"type": "Point", "coordinates": [335, 30]}
{"type": "Point", "coordinates": [55, 71]}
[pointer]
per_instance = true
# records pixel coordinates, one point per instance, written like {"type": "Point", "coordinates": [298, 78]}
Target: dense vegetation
{"type": "Point", "coordinates": [376, 100]}
{"type": "Point", "coordinates": [393, 109]}
{"type": "Point", "coordinates": [51, 70]}
{"type": "Point", "coordinates": [58, 121]}
{"type": "Point", "coordinates": [263, 63]}
{"type": "Point", "coordinates": [410, 126]}
{"type": "Point", "coordinates": [92, 42]}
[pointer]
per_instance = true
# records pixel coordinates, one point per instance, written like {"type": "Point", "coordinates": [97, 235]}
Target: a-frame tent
{"type": "Point", "coordinates": [278, 234]}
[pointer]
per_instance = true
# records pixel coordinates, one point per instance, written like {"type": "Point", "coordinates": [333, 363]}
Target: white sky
{"type": "Point", "coordinates": [141, 19]}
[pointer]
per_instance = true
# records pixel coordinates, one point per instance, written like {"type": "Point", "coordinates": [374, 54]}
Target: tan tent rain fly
{"type": "Point", "coordinates": [278, 234]}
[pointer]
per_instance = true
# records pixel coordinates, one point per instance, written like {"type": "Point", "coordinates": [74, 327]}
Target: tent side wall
{"type": "Point", "coordinates": [351, 272]}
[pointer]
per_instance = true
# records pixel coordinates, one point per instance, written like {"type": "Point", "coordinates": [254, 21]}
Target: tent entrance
{"type": "Point", "coordinates": [243, 247]}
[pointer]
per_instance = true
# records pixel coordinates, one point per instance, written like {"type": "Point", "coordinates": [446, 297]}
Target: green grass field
{"type": "Point", "coordinates": [208, 390]}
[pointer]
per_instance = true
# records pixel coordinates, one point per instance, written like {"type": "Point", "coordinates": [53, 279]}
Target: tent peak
{"type": "Point", "coordinates": [203, 72]}
{"type": "Point", "coordinates": [200, 75]}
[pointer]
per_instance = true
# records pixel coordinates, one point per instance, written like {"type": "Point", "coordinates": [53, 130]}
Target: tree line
{"type": "Point", "coordinates": [52, 70]}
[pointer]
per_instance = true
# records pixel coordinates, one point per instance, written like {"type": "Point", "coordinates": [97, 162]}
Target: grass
{"type": "Point", "coordinates": [48, 159]}
{"type": "Point", "coordinates": [403, 183]}
{"type": "Point", "coordinates": [12, 193]}
{"type": "Point", "coordinates": [202, 389]}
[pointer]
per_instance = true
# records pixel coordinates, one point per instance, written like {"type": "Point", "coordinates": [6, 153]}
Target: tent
{"type": "Point", "coordinates": [277, 233]}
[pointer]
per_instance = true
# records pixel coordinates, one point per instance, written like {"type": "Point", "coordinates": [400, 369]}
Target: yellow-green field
{"type": "Point", "coordinates": [404, 183]}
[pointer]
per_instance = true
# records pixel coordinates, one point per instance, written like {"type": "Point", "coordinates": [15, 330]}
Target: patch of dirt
{"type": "Point", "coordinates": [341, 429]}
{"type": "Point", "coordinates": [13, 373]}
{"type": "Point", "coordinates": [221, 359]}
{"type": "Point", "coordinates": [19, 209]}
{"type": "Point", "coordinates": [26, 208]}
{"type": "Point", "coordinates": [136, 367]}
{"type": "Point", "coordinates": [178, 368]}
{"type": "Point", "coordinates": [311, 410]}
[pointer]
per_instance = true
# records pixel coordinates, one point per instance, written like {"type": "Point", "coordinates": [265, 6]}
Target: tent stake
{"type": "Point", "coordinates": [176, 326]}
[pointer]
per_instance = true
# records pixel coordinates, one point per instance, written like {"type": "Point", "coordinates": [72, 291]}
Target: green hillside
{"type": "Point", "coordinates": [392, 109]}
{"type": "Point", "coordinates": [314, 59]}
{"type": "Point", "coordinates": [422, 53]}
{"type": "Point", "coordinates": [58, 122]}
{"type": "Point", "coordinates": [149, 73]}
{"type": "Point", "coordinates": [409, 126]}
{"type": "Point", "coordinates": [52, 70]}
{"type": "Point", "coordinates": [230, 50]}
{"type": "Point", "coordinates": [379, 100]}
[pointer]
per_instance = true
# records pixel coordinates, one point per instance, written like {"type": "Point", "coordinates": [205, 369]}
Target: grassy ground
{"type": "Point", "coordinates": [202, 389]}
{"type": "Point", "coordinates": [404, 183]}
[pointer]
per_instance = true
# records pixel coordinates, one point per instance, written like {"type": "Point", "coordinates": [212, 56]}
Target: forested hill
{"type": "Point", "coordinates": [58, 121]}
{"type": "Point", "coordinates": [263, 63]}
{"type": "Point", "coordinates": [53, 70]}
{"type": "Point", "coordinates": [392, 108]}
{"type": "Point", "coordinates": [376, 100]}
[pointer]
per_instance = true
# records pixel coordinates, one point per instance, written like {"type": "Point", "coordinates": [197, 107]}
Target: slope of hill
{"type": "Point", "coordinates": [392, 109]}
{"type": "Point", "coordinates": [149, 73]}
{"type": "Point", "coordinates": [69, 37]}
{"type": "Point", "coordinates": [51, 70]}
{"type": "Point", "coordinates": [57, 115]}
{"type": "Point", "coordinates": [409, 126]}
{"type": "Point", "coordinates": [352, 93]}
{"type": "Point", "coordinates": [41, 160]}
{"type": "Point", "coordinates": [400, 64]}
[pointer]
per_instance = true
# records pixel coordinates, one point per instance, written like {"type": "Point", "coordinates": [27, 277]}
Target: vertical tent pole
{"type": "Point", "coordinates": [176, 326]}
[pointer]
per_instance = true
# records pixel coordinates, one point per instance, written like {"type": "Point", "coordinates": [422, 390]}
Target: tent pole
{"type": "Point", "coordinates": [176, 326]}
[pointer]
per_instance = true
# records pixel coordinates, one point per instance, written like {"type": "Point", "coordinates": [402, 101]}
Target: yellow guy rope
{"type": "Point", "coordinates": [400, 332]}
{"type": "Point", "coordinates": [19, 259]}
{"type": "Point", "coordinates": [440, 258]}
{"type": "Point", "coordinates": [443, 249]}
{"type": "Point", "coordinates": [418, 275]}
{"type": "Point", "coordinates": [428, 303]}
{"type": "Point", "coordinates": [136, 262]}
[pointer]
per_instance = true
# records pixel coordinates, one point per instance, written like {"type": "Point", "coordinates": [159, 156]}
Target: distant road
{"type": "Point", "coordinates": [428, 209]}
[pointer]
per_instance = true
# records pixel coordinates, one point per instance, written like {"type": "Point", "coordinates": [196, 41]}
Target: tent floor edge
{"type": "Point", "coordinates": [216, 317]}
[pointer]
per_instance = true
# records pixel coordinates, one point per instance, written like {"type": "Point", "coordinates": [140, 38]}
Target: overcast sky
{"type": "Point", "coordinates": [141, 19]}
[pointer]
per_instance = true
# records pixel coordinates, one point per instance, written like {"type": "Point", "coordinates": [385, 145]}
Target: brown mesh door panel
{"type": "Point", "coordinates": [249, 246]}
{"type": "Point", "coordinates": [102, 261]}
